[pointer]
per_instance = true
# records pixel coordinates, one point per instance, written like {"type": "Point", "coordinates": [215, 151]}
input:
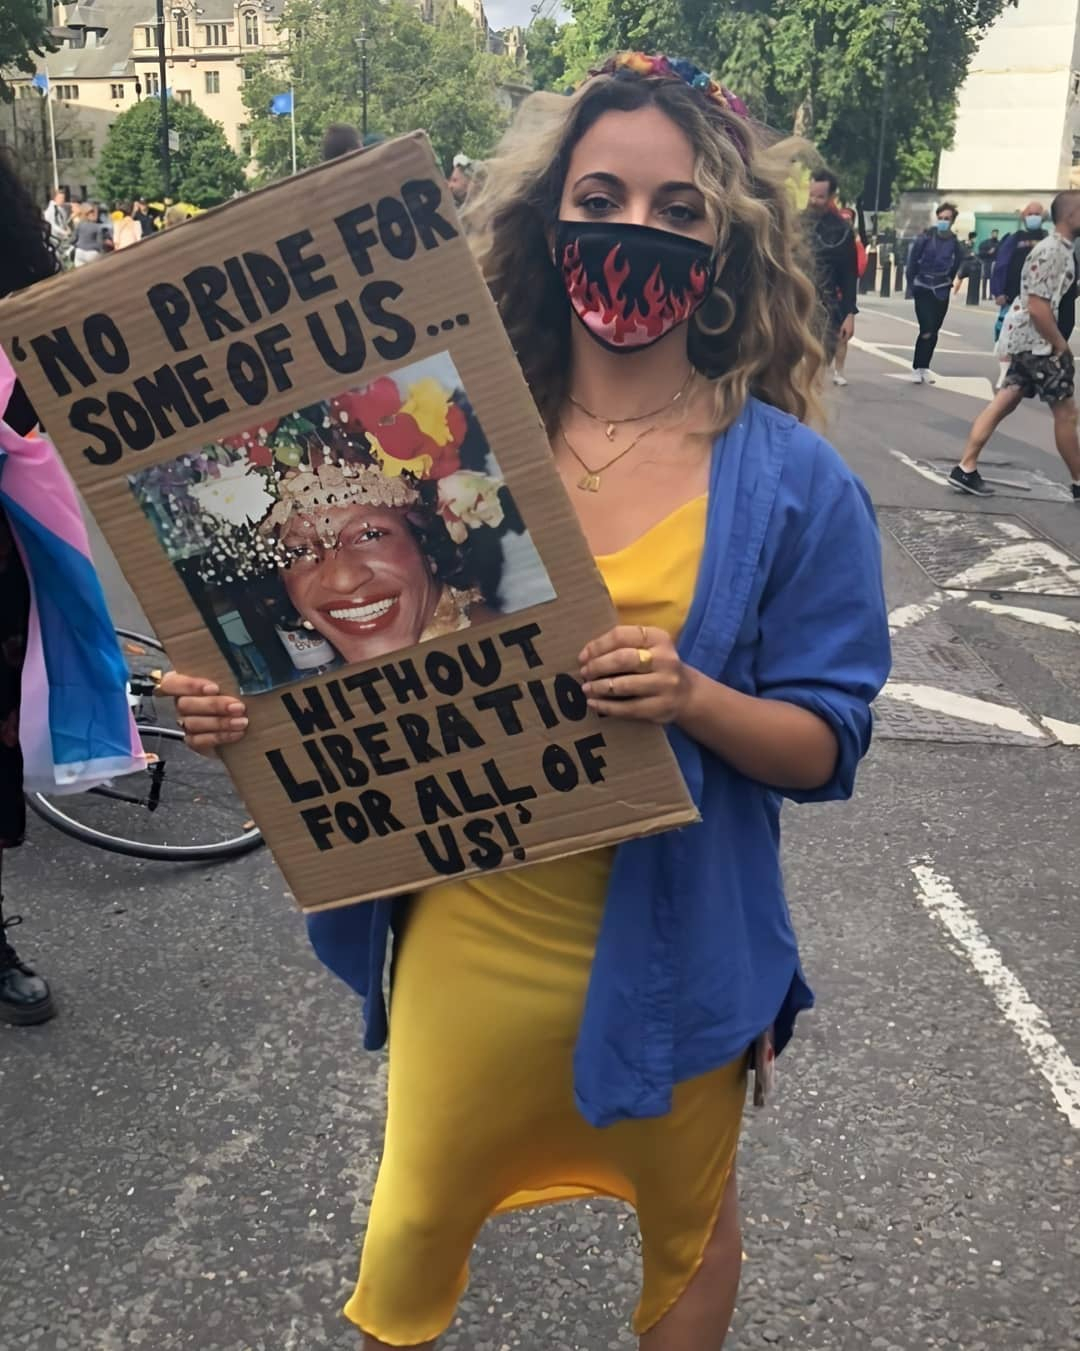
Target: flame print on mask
{"type": "Point", "coordinates": [630, 284]}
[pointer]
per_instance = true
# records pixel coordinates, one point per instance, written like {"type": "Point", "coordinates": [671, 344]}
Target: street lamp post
{"type": "Point", "coordinates": [361, 42]}
{"type": "Point", "coordinates": [166, 164]}
{"type": "Point", "coordinates": [890, 17]}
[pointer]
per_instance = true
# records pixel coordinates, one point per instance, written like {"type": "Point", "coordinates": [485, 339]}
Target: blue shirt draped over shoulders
{"type": "Point", "coordinates": [696, 954]}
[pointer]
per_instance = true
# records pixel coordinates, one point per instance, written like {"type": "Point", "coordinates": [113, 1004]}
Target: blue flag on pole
{"type": "Point", "coordinates": [41, 81]}
{"type": "Point", "coordinates": [281, 104]}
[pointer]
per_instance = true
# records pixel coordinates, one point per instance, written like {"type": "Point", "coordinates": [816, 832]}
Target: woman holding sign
{"type": "Point", "coordinates": [585, 1027]}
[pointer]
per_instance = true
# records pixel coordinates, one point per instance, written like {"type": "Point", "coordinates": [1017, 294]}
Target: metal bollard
{"type": "Point", "coordinates": [974, 283]}
{"type": "Point", "coordinates": [886, 277]}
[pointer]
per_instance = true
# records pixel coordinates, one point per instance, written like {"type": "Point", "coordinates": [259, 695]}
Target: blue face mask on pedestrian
{"type": "Point", "coordinates": [943, 226]}
{"type": "Point", "coordinates": [1033, 222]}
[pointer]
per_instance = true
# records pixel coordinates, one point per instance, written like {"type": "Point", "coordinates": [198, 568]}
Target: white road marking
{"type": "Point", "coordinates": [938, 351]}
{"type": "Point", "coordinates": [972, 386]}
{"type": "Point", "coordinates": [899, 319]}
{"type": "Point", "coordinates": [1019, 1010]}
{"type": "Point", "coordinates": [905, 615]}
{"type": "Point", "coordinates": [922, 469]}
{"type": "Point", "coordinates": [963, 706]}
{"type": "Point", "coordinates": [1048, 619]}
{"type": "Point", "coordinates": [1030, 557]}
{"type": "Point", "coordinates": [1068, 733]}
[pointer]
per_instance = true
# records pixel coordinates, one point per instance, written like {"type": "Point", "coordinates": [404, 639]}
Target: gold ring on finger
{"type": "Point", "coordinates": [644, 657]}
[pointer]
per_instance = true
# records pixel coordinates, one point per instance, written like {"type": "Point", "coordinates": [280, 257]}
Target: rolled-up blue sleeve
{"type": "Point", "coordinates": [824, 630]}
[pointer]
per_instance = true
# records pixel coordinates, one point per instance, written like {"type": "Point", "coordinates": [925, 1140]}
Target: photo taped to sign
{"type": "Point", "coordinates": [354, 527]}
{"type": "Point", "coordinates": [231, 399]}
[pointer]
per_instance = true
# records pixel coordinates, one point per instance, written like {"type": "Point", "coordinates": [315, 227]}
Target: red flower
{"type": "Point", "coordinates": [363, 409]}
{"type": "Point", "coordinates": [251, 436]}
{"type": "Point", "coordinates": [261, 455]}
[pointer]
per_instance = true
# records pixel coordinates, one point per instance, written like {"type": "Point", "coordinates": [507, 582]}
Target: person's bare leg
{"type": "Point", "coordinates": [1065, 436]}
{"type": "Point", "coordinates": [699, 1319]}
{"type": "Point", "coordinates": [986, 424]}
{"type": "Point", "coordinates": [841, 355]}
{"type": "Point", "coordinates": [373, 1344]}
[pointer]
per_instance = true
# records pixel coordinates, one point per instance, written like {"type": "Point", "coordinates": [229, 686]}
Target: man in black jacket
{"type": "Point", "coordinates": [836, 264]}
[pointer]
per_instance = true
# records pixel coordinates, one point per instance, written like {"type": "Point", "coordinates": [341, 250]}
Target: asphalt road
{"type": "Point", "coordinates": [187, 1153]}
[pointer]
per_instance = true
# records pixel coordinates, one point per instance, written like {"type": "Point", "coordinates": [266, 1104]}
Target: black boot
{"type": "Point", "coordinates": [25, 997]}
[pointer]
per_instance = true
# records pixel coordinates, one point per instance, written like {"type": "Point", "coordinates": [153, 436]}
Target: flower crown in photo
{"type": "Point", "coordinates": [674, 68]}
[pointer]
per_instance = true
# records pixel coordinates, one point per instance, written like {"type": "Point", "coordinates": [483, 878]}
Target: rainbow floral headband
{"type": "Point", "coordinates": [675, 68]}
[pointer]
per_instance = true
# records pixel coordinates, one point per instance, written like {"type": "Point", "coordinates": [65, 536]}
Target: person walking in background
{"type": "Point", "coordinates": [460, 179]}
{"type": "Point", "coordinates": [58, 219]}
{"type": "Point", "coordinates": [126, 230]}
{"type": "Point", "coordinates": [141, 216]}
{"type": "Point", "coordinates": [932, 266]}
{"type": "Point", "coordinates": [88, 237]}
{"type": "Point", "coordinates": [836, 267]}
{"type": "Point", "coordinates": [988, 251]}
{"type": "Point", "coordinates": [1040, 362]}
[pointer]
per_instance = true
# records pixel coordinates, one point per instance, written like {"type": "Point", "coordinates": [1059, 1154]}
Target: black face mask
{"type": "Point", "coordinates": [629, 284]}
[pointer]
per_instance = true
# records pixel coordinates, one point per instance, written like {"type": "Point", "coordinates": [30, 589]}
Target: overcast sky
{"type": "Point", "coordinates": [505, 13]}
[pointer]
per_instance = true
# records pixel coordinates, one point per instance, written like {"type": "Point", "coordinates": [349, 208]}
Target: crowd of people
{"type": "Point", "coordinates": [83, 232]}
{"type": "Point", "coordinates": [588, 1026]}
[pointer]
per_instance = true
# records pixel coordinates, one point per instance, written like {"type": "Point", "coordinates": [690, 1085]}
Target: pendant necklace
{"type": "Point", "coordinates": [590, 480]}
{"type": "Point", "coordinates": [611, 423]}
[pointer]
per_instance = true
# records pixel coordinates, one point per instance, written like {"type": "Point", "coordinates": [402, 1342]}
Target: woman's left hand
{"type": "Point", "coordinates": [635, 672]}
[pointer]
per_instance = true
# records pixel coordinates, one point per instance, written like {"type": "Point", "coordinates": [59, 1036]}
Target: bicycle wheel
{"type": "Point", "coordinates": [181, 809]}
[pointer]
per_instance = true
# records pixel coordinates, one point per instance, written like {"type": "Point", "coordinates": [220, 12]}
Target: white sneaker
{"type": "Point", "coordinates": [838, 380]}
{"type": "Point", "coordinates": [915, 378]}
{"type": "Point", "coordinates": [927, 377]}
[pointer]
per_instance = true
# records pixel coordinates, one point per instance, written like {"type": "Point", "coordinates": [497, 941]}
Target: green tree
{"type": "Point", "coordinates": [24, 36]}
{"type": "Point", "coordinates": [205, 171]}
{"type": "Point", "coordinates": [429, 76]}
{"type": "Point", "coordinates": [546, 61]}
{"type": "Point", "coordinates": [816, 67]}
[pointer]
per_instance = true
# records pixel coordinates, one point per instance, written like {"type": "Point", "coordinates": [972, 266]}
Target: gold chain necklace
{"type": "Point", "coordinates": [590, 480]}
{"type": "Point", "coordinates": [611, 423]}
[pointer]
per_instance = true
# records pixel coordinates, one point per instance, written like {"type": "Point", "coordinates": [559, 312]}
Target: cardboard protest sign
{"type": "Point", "coordinates": [302, 430]}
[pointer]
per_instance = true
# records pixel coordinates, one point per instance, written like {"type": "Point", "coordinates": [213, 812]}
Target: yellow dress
{"type": "Point", "coordinates": [489, 985]}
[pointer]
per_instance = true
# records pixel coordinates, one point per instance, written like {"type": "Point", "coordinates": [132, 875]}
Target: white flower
{"type": "Point", "coordinates": [468, 499]}
{"type": "Point", "coordinates": [237, 496]}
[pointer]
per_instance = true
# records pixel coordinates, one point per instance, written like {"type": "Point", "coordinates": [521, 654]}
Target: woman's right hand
{"type": "Point", "coordinates": [208, 717]}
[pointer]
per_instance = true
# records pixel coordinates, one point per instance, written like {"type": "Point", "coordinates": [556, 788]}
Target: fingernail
{"type": "Point", "coordinates": [236, 710]}
{"type": "Point", "coordinates": [587, 687]}
{"type": "Point", "coordinates": [210, 688]}
{"type": "Point", "coordinates": [238, 723]}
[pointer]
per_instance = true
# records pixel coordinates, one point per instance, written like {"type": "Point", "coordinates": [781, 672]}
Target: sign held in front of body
{"type": "Point", "coordinates": [301, 427]}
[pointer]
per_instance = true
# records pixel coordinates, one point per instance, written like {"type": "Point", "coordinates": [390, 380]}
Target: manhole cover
{"type": "Point", "coordinates": [940, 690]}
{"type": "Point", "coordinates": [976, 551]}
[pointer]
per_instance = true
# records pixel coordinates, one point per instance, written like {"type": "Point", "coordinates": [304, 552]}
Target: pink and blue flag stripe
{"type": "Point", "coordinates": [75, 723]}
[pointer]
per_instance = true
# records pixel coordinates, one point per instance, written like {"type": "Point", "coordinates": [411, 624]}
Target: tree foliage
{"type": "Point", "coordinates": [205, 171]}
{"type": "Point", "coordinates": [430, 76]}
{"type": "Point", "coordinates": [546, 57]}
{"type": "Point", "coordinates": [24, 36]}
{"type": "Point", "coordinates": [814, 66]}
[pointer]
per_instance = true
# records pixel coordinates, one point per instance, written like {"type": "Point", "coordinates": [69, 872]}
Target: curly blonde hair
{"type": "Point", "coordinates": [757, 332]}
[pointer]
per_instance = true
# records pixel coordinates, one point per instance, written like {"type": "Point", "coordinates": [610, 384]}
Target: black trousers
{"type": "Point", "coordinates": [930, 313]}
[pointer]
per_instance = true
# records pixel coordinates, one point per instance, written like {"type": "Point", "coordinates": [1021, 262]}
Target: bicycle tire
{"type": "Point", "coordinates": [235, 847]}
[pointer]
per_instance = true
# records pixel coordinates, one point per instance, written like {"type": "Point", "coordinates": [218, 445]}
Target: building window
{"type": "Point", "coordinates": [183, 31]}
{"type": "Point", "coordinates": [117, 91]}
{"type": "Point", "coordinates": [182, 95]}
{"type": "Point", "coordinates": [67, 93]}
{"type": "Point", "coordinates": [213, 81]}
{"type": "Point", "coordinates": [251, 29]}
{"type": "Point", "coordinates": [84, 149]}
{"type": "Point", "coordinates": [217, 35]}
{"type": "Point", "coordinates": [64, 150]}
{"type": "Point", "coordinates": [27, 91]}
{"type": "Point", "coordinates": [153, 83]}
{"type": "Point", "coordinates": [148, 38]}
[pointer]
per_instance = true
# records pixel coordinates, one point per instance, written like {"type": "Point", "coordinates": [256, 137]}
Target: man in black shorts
{"type": "Point", "coordinates": [1040, 362]}
{"type": "Point", "coordinates": [836, 263]}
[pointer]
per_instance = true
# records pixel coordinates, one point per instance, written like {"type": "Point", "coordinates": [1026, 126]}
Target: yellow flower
{"type": "Point", "coordinates": [427, 404]}
{"type": "Point", "coordinates": [393, 467]}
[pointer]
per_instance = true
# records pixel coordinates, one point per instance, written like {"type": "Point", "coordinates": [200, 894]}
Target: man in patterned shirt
{"type": "Point", "coordinates": [1040, 362]}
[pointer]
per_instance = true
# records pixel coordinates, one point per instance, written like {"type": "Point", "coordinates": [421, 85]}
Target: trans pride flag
{"type": "Point", "coordinates": [75, 723]}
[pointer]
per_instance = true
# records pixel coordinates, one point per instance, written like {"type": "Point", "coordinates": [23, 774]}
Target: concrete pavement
{"type": "Point", "coordinates": [188, 1152]}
